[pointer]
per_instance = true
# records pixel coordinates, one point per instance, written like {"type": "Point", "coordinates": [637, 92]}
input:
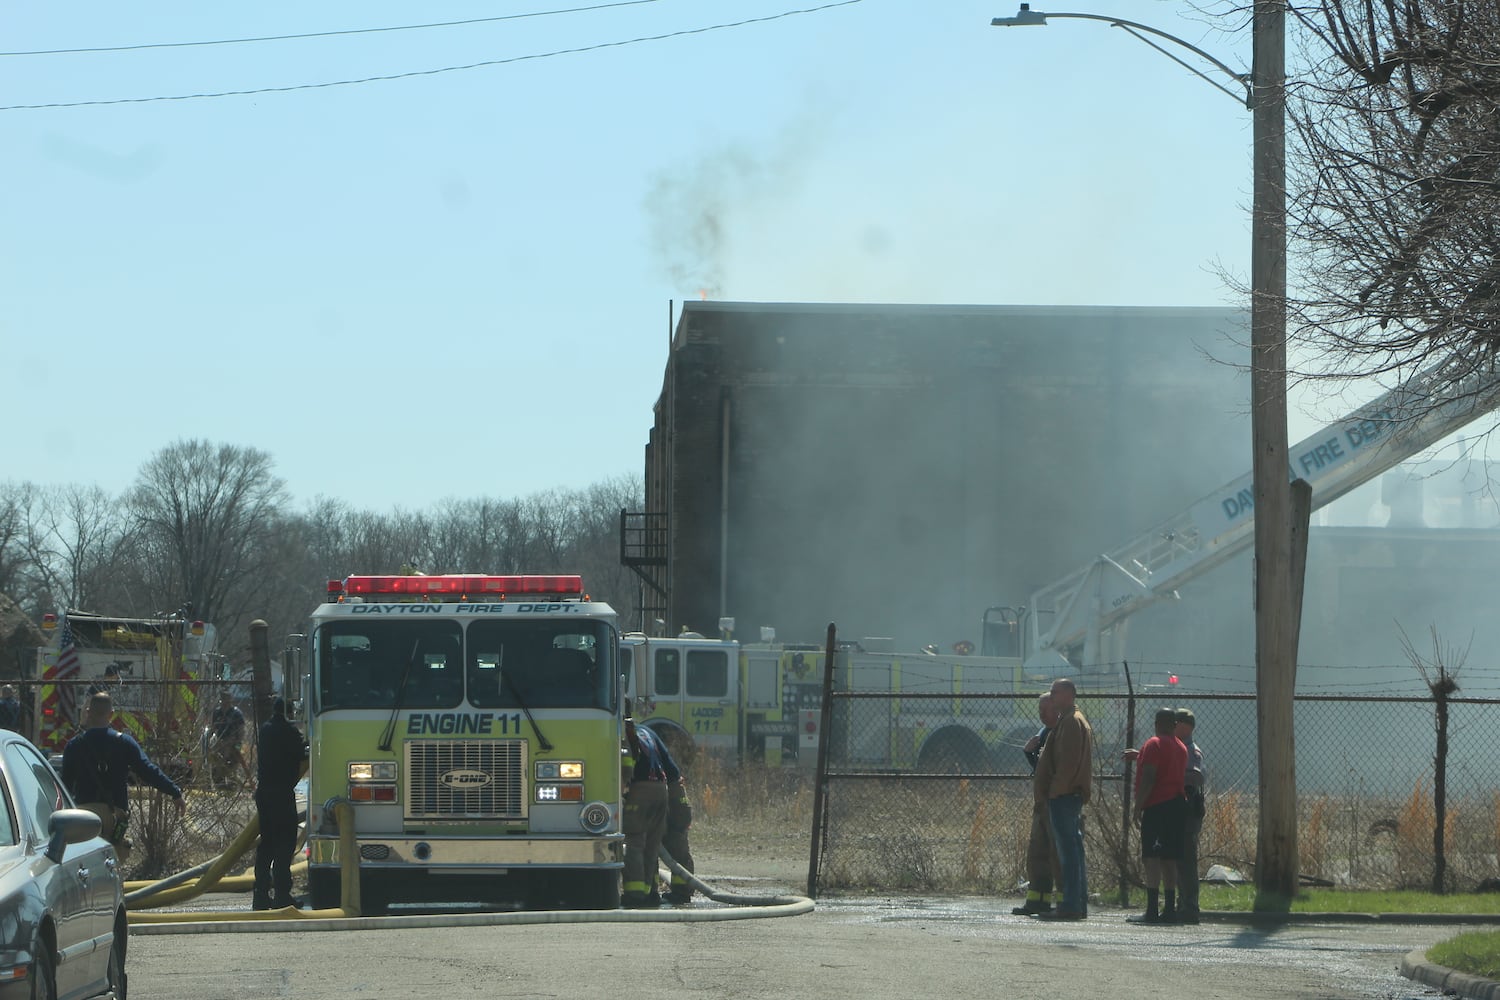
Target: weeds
{"type": "Point", "coordinates": [970, 834]}
{"type": "Point", "coordinates": [1312, 837]}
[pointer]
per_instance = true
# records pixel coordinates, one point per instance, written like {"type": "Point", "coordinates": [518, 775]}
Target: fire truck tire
{"type": "Point", "coordinates": [575, 890]}
{"type": "Point", "coordinates": [376, 893]}
{"type": "Point", "coordinates": [954, 751]}
{"type": "Point", "coordinates": [323, 888]}
{"type": "Point", "coordinates": [376, 890]}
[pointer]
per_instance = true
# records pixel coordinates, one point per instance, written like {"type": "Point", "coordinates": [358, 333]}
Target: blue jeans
{"type": "Point", "coordinates": [1066, 813]}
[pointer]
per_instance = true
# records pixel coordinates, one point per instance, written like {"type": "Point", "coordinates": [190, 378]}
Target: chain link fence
{"type": "Point", "coordinates": [173, 722]}
{"type": "Point", "coordinates": [933, 792]}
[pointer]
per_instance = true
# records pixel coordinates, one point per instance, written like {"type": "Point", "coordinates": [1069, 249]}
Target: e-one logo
{"type": "Point", "coordinates": [465, 779]}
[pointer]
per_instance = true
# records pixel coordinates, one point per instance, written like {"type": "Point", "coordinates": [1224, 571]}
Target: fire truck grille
{"type": "Point", "coordinates": [466, 779]}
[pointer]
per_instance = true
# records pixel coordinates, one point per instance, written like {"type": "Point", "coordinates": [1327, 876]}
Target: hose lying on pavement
{"type": "Point", "coordinates": [209, 874]}
{"type": "Point", "coordinates": [348, 917]}
{"type": "Point", "coordinates": [719, 896]}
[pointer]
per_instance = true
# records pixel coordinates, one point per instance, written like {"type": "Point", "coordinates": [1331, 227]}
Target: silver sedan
{"type": "Point", "coordinates": [62, 908]}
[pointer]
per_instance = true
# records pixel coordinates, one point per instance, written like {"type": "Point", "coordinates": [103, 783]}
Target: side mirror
{"type": "Point", "coordinates": [70, 826]}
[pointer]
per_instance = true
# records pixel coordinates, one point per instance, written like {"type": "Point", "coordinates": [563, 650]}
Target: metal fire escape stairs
{"type": "Point", "coordinates": [643, 549]}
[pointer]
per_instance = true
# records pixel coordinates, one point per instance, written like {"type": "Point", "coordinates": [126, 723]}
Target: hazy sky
{"type": "Point", "coordinates": [458, 283]}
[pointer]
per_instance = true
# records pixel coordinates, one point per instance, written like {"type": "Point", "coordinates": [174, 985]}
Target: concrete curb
{"type": "Point", "coordinates": [1414, 966]}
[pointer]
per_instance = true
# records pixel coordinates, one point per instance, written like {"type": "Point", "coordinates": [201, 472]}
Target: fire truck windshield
{"type": "Point", "coordinates": [543, 664]}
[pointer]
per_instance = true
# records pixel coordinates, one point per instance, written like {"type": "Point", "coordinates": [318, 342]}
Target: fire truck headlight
{"type": "Point", "coordinates": [380, 770]}
{"type": "Point", "coordinates": [559, 770]}
{"type": "Point", "coordinates": [595, 817]}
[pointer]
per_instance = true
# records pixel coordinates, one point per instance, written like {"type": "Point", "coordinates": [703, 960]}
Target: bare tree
{"type": "Point", "coordinates": [1394, 186]}
{"type": "Point", "coordinates": [551, 517]}
{"type": "Point", "coordinates": [597, 546]}
{"type": "Point", "coordinates": [477, 535]}
{"type": "Point", "coordinates": [1440, 674]}
{"type": "Point", "coordinates": [13, 556]}
{"type": "Point", "coordinates": [75, 538]}
{"type": "Point", "coordinates": [204, 515]}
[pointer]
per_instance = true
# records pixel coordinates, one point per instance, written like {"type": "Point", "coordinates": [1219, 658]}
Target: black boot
{"type": "Point", "coordinates": [1032, 907]}
{"type": "Point", "coordinates": [1152, 915]}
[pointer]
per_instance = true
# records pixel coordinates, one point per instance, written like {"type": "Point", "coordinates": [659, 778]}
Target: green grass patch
{"type": "Point", "coordinates": [1477, 953]}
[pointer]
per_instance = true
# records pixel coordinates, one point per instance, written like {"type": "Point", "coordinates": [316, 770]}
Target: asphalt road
{"type": "Point", "coordinates": [874, 949]}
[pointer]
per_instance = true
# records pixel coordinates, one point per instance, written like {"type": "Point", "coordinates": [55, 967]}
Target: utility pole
{"type": "Point", "coordinates": [1277, 594]}
{"type": "Point", "coordinates": [260, 676]}
{"type": "Point", "coordinates": [1282, 508]}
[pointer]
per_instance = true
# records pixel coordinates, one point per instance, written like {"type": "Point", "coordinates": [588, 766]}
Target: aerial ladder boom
{"type": "Point", "coordinates": [1090, 605]}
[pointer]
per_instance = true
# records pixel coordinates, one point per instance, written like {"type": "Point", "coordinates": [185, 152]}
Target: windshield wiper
{"type": "Point", "coordinates": [390, 724]}
{"type": "Point", "coordinates": [505, 679]}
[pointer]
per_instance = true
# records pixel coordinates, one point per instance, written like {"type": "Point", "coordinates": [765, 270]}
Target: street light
{"type": "Point", "coordinates": [1281, 510]}
{"type": "Point", "coordinates": [1026, 17]}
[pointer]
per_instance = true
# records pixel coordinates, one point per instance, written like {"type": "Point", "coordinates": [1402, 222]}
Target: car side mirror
{"type": "Point", "coordinates": [70, 826]}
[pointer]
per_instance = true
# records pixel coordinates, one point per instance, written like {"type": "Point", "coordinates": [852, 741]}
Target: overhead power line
{"type": "Point", "coordinates": [326, 34]}
{"type": "Point", "coordinates": [432, 72]}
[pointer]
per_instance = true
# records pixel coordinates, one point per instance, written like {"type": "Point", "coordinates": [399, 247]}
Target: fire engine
{"type": "Point", "coordinates": [149, 666]}
{"type": "Point", "coordinates": [473, 725]}
{"type": "Point", "coordinates": [763, 702]}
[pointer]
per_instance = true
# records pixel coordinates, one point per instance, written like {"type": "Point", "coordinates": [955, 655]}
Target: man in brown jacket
{"type": "Point", "coordinates": [1065, 777]}
{"type": "Point", "coordinates": [1042, 876]}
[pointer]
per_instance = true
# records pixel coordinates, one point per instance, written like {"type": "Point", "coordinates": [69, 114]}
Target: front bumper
{"type": "Point", "coordinates": [475, 853]}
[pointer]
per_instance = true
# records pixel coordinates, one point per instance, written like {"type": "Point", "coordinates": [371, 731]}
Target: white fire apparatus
{"type": "Point", "coordinates": [763, 702]}
{"type": "Point", "coordinates": [1080, 620]}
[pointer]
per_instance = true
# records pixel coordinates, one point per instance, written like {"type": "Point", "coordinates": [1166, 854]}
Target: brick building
{"type": "Point", "coordinates": [899, 469]}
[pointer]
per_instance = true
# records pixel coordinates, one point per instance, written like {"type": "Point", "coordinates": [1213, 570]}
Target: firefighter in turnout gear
{"type": "Point", "coordinates": [679, 819]}
{"type": "Point", "coordinates": [649, 773]}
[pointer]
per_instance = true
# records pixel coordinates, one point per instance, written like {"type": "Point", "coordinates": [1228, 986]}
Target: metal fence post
{"type": "Point", "coordinates": [820, 780]}
{"type": "Point", "coordinates": [1123, 861]}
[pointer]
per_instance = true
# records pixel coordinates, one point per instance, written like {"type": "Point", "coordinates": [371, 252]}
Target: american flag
{"type": "Point", "coordinates": [65, 670]}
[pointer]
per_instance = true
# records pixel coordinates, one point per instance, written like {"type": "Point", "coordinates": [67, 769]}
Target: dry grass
{"type": "Point", "coordinates": [1314, 833]}
{"type": "Point", "coordinates": [165, 844]}
{"type": "Point", "coordinates": [964, 835]}
{"type": "Point", "coordinates": [970, 834]}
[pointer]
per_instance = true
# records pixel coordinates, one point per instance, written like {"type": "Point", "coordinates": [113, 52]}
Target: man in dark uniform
{"type": "Point", "coordinates": [10, 709]}
{"type": "Point", "coordinates": [651, 772]}
{"type": "Point", "coordinates": [96, 764]}
{"type": "Point", "coordinates": [228, 730]}
{"type": "Point", "coordinates": [281, 750]}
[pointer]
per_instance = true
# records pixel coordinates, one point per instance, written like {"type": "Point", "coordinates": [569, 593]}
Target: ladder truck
{"type": "Point", "coordinates": [1080, 620]}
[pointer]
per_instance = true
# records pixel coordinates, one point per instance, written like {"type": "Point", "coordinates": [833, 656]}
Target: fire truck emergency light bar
{"type": "Point", "coordinates": [461, 585]}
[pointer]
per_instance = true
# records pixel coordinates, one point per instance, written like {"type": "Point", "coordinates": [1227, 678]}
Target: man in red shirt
{"type": "Point", "coordinates": [1161, 811]}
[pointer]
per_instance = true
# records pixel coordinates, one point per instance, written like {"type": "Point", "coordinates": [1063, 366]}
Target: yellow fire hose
{"type": "Point", "coordinates": [347, 916]}
{"type": "Point", "coordinates": [213, 878]}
